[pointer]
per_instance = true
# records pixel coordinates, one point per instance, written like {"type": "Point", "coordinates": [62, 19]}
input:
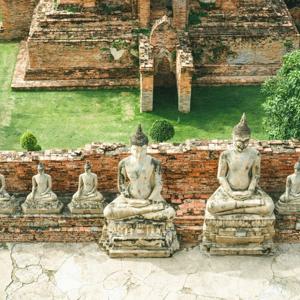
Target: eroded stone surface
{"type": "Point", "coordinates": [82, 271]}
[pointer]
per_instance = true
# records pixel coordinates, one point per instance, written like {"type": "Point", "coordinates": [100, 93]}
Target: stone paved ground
{"type": "Point", "coordinates": [82, 272]}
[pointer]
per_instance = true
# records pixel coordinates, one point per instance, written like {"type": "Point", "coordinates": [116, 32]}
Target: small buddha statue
{"type": "Point", "coordinates": [4, 196]}
{"type": "Point", "coordinates": [8, 204]}
{"type": "Point", "coordinates": [139, 182]}
{"type": "Point", "coordinates": [238, 175]}
{"type": "Point", "coordinates": [87, 198]}
{"type": "Point", "coordinates": [42, 199]}
{"type": "Point", "coordinates": [290, 200]}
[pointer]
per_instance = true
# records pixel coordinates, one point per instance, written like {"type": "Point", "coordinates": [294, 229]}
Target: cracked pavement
{"type": "Point", "coordinates": [84, 272]}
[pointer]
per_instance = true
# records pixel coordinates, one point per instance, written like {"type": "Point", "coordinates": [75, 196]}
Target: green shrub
{"type": "Point", "coordinates": [29, 142]}
{"type": "Point", "coordinates": [161, 131]}
{"type": "Point", "coordinates": [282, 105]}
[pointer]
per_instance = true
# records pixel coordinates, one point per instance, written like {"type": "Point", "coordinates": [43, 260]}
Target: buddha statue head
{"type": "Point", "coordinates": [87, 167]}
{"type": "Point", "coordinates": [41, 168]}
{"type": "Point", "coordinates": [297, 167]}
{"type": "Point", "coordinates": [139, 142]}
{"type": "Point", "coordinates": [241, 134]}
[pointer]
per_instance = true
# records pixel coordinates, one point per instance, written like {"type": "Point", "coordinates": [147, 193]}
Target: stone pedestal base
{"type": "Point", "coordinates": [91, 209]}
{"type": "Point", "coordinates": [8, 207]}
{"type": "Point", "coordinates": [288, 208]}
{"type": "Point", "coordinates": [33, 209]}
{"type": "Point", "coordinates": [238, 234]}
{"type": "Point", "coordinates": [139, 238]}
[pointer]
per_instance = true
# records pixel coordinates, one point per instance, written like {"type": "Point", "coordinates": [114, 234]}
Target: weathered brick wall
{"type": "Point", "coordinates": [189, 175]}
{"type": "Point", "coordinates": [16, 16]}
{"type": "Point", "coordinates": [225, 59]}
{"type": "Point", "coordinates": [77, 60]}
{"type": "Point", "coordinates": [241, 42]}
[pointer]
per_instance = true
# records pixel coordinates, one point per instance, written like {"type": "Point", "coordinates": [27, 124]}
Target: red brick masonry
{"type": "Point", "coordinates": [189, 178]}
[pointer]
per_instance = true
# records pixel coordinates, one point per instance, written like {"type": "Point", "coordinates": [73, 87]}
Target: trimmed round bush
{"type": "Point", "coordinates": [29, 142]}
{"type": "Point", "coordinates": [161, 131]}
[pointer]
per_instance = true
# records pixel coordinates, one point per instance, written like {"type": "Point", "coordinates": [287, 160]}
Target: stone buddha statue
{"type": "Point", "coordinates": [7, 202]}
{"type": "Point", "coordinates": [87, 199]}
{"type": "Point", "coordinates": [42, 199]}
{"type": "Point", "coordinates": [238, 175]}
{"type": "Point", "coordinates": [139, 182]}
{"type": "Point", "coordinates": [290, 200]}
{"type": "Point", "coordinates": [4, 196]}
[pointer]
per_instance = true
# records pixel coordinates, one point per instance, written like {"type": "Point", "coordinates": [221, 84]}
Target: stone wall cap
{"type": "Point", "coordinates": [112, 149]}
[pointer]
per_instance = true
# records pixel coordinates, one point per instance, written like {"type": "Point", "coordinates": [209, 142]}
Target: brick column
{"type": "Point", "coordinates": [184, 73]}
{"type": "Point", "coordinates": [144, 13]}
{"type": "Point", "coordinates": [146, 93]}
{"type": "Point", "coordinates": [146, 74]}
{"type": "Point", "coordinates": [180, 14]}
{"type": "Point", "coordinates": [184, 89]}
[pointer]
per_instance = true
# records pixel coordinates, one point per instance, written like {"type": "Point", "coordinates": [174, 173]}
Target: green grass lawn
{"type": "Point", "coordinates": [70, 119]}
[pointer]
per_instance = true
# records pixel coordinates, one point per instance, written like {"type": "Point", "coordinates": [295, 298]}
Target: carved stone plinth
{"type": "Point", "coordinates": [8, 207]}
{"type": "Point", "coordinates": [288, 208]}
{"type": "Point", "coordinates": [86, 208]}
{"type": "Point", "coordinates": [139, 238]}
{"type": "Point", "coordinates": [32, 208]}
{"type": "Point", "coordinates": [238, 234]}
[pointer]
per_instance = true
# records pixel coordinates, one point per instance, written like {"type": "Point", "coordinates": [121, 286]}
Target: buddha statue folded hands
{"type": "Point", "coordinates": [238, 175]}
{"type": "Point", "coordinates": [87, 199]}
{"type": "Point", "coordinates": [139, 222]}
{"type": "Point", "coordinates": [8, 204]}
{"type": "Point", "coordinates": [42, 199]}
{"type": "Point", "coordinates": [139, 182]}
{"type": "Point", "coordinates": [289, 201]}
{"type": "Point", "coordinates": [239, 216]}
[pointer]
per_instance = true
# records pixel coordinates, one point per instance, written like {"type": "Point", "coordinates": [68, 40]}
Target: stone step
{"type": "Point", "coordinates": [121, 253]}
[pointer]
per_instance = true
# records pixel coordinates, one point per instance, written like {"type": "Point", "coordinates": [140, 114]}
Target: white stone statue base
{"type": "Point", "coordinates": [86, 209]}
{"type": "Point", "coordinates": [32, 208]}
{"type": "Point", "coordinates": [287, 208]}
{"type": "Point", "coordinates": [238, 234]}
{"type": "Point", "coordinates": [8, 207]}
{"type": "Point", "coordinates": [139, 238]}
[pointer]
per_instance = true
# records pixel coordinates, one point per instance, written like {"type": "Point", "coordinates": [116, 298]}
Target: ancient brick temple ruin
{"type": "Point", "coordinates": [147, 43]}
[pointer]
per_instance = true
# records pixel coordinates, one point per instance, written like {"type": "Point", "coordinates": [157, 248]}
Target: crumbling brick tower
{"type": "Point", "coordinates": [148, 43]}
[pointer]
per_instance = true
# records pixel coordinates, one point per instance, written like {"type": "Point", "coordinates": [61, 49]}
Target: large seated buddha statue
{"type": "Point", "coordinates": [42, 200]}
{"type": "Point", "coordinates": [7, 202]}
{"type": "Point", "coordinates": [238, 175]}
{"type": "Point", "coordinates": [139, 184]}
{"type": "Point", "coordinates": [87, 199]}
{"type": "Point", "coordinates": [289, 202]}
{"type": "Point", "coordinates": [140, 214]}
{"type": "Point", "coordinates": [239, 204]}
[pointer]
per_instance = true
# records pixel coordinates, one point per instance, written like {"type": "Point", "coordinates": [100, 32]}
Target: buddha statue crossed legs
{"type": "Point", "coordinates": [139, 221]}
{"type": "Point", "coordinates": [7, 202]}
{"type": "Point", "coordinates": [289, 202]}
{"type": "Point", "coordinates": [238, 175]}
{"type": "Point", "coordinates": [42, 200]}
{"type": "Point", "coordinates": [87, 199]}
{"type": "Point", "coordinates": [139, 182]}
{"type": "Point", "coordinates": [239, 216]}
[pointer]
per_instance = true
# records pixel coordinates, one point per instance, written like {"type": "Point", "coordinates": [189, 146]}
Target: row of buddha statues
{"type": "Point", "coordinates": [239, 216]}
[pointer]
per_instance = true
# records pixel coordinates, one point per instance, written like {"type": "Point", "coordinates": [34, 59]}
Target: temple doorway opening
{"type": "Point", "coordinates": [160, 8]}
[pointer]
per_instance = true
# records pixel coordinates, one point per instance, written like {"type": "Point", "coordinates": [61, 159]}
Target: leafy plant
{"type": "Point", "coordinates": [194, 17]}
{"type": "Point", "coordinates": [162, 130]}
{"type": "Point", "coordinates": [145, 31]}
{"type": "Point", "coordinates": [282, 105]}
{"type": "Point", "coordinates": [29, 142]}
